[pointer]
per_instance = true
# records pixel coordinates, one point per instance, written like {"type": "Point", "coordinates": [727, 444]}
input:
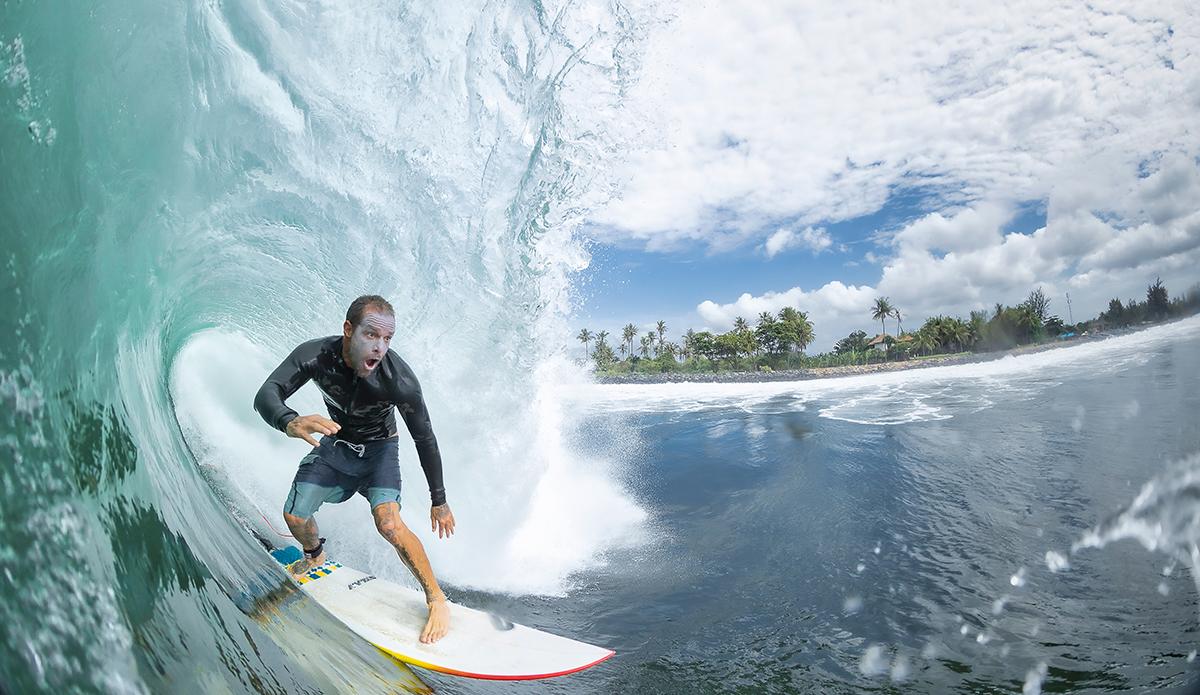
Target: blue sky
{"type": "Point", "coordinates": [947, 156]}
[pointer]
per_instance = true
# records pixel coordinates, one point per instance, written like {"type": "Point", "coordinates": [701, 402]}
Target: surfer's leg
{"type": "Point", "coordinates": [315, 484]}
{"type": "Point", "coordinates": [305, 532]}
{"type": "Point", "coordinates": [412, 554]}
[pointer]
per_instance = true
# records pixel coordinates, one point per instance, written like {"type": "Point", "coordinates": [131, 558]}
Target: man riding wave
{"type": "Point", "coordinates": [363, 383]}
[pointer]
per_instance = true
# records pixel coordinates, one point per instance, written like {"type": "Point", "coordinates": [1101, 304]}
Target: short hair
{"type": "Point", "coordinates": [358, 308]}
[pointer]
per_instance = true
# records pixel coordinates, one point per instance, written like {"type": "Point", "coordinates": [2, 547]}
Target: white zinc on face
{"type": "Point", "coordinates": [367, 343]}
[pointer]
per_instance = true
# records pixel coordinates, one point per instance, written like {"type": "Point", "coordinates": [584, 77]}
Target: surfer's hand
{"type": "Point", "coordinates": [305, 426]}
{"type": "Point", "coordinates": [443, 521]}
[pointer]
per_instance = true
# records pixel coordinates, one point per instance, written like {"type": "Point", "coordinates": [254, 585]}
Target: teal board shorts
{"type": "Point", "coordinates": [336, 470]}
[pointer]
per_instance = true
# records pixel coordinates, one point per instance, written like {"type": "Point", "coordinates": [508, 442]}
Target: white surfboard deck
{"type": "Point", "coordinates": [478, 645]}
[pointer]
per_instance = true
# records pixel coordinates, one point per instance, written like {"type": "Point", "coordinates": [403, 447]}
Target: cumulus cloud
{"type": "Point", "coordinates": [824, 304]}
{"type": "Point", "coordinates": [967, 230]}
{"type": "Point", "coordinates": [815, 239]}
{"type": "Point", "coordinates": [962, 260]}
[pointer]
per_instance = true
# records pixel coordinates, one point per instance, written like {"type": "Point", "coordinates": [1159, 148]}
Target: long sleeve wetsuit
{"type": "Point", "coordinates": [363, 407]}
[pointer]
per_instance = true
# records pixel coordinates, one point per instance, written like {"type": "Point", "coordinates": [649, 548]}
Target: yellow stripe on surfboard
{"type": "Point", "coordinates": [316, 572]}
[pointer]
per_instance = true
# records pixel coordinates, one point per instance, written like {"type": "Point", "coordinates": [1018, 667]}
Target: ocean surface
{"type": "Point", "coordinates": [190, 189]}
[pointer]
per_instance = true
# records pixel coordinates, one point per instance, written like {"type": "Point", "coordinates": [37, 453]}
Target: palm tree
{"type": "Point", "coordinates": [662, 330]}
{"type": "Point", "coordinates": [628, 335]}
{"type": "Point", "coordinates": [647, 341]}
{"type": "Point", "coordinates": [961, 331]}
{"type": "Point", "coordinates": [804, 330]}
{"type": "Point", "coordinates": [745, 337]}
{"type": "Point", "coordinates": [883, 309]}
{"type": "Point", "coordinates": [899, 329]}
{"type": "Point", "coordinates": [926, 340]}
{"type": "Point", "coordinates": [584, 337]}
{"type": "Point", "coordinates": [601, 337]}
{"type": "Point", "coordinates": [1026, 321]}
{"type": "Point", "coordinates": [976, 326]}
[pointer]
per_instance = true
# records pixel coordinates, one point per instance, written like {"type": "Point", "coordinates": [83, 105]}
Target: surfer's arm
{"type": "Point", "coordinates": [407, 396]}
{"type": "Point", "coordinates": [440, 518]}
{"type": "Point", "coordinates": [287, 378]}
{"type": "Point", "coordinates": [412, 409]}
{"type": "Point", "coordinates": [427, 451]}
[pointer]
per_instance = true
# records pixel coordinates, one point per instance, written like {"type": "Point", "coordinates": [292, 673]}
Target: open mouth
{"type": "Point", "coordinates": [371, 363]}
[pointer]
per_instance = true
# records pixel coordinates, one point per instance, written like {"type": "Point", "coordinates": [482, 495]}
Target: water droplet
{"type": "Point", "coordinates": [1034, 678]}
{"type": "Point", "coordinates": [874, 662]}
{"type": "Point", "coordinates": [1056, 562]}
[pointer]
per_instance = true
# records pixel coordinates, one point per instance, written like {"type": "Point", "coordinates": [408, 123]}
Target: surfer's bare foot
{"type": "Point", "coordinates": [439, 622]}
{"type": "Point", "coordinates": [301, 567]}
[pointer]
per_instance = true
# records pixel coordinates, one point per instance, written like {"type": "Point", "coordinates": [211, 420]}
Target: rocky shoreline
{"type": "Point", "coordinates": [835, 372]}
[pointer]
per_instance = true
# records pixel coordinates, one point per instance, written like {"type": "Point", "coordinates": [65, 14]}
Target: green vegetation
{"type": "Point", "coordinates": [778, 341]}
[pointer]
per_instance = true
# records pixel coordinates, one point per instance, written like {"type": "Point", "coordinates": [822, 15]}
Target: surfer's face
{"type": "Point", "coordinates": [365, 344]}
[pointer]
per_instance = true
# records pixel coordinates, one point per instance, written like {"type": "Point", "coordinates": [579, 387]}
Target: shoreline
{"type": "Point", "coordinates": [854, 370]}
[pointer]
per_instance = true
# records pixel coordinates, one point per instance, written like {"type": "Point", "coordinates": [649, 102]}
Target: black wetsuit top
{"type": "Point", "coordinates": [363, 407]}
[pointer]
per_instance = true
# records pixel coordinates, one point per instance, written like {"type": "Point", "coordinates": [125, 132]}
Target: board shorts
{"type": "Point", "coordinates": [336, 469]}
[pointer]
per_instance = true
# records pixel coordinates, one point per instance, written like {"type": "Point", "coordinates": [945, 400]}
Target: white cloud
{"type": "Point", "coordinates": [828, 302]}
{"type": "Point", "coordinates": [970, 229]}
{"type": "Point", "coordinates": [815, 239]}
{"type": "Point", "coordinates": [767, 110]}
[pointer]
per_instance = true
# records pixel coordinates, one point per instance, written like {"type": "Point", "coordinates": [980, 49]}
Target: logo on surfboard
{"type": "Point", "coordinates": [351, 586]}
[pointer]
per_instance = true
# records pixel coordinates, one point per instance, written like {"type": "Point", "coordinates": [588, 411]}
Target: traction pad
{"type": "Point", "coordinates": [291, 554]}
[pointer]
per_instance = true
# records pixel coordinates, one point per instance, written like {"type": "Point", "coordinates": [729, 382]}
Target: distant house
{"type": "Point", "coordinates": [878, 341]}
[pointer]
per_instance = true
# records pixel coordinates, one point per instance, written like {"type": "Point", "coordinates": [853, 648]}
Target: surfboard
{"type": "Point", "coordinates": [479, 645]}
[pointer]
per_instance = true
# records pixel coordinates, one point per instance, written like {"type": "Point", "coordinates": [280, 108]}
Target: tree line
{"type": "Point", "coordinates": [777, 341]}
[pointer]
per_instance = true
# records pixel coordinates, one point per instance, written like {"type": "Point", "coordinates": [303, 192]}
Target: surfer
{"type": "Point", "coordinates": [363, 383]}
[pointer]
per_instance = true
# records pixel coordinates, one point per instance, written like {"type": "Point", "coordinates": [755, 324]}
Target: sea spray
{"type": "Point", "coordinates": [1164, 517]}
